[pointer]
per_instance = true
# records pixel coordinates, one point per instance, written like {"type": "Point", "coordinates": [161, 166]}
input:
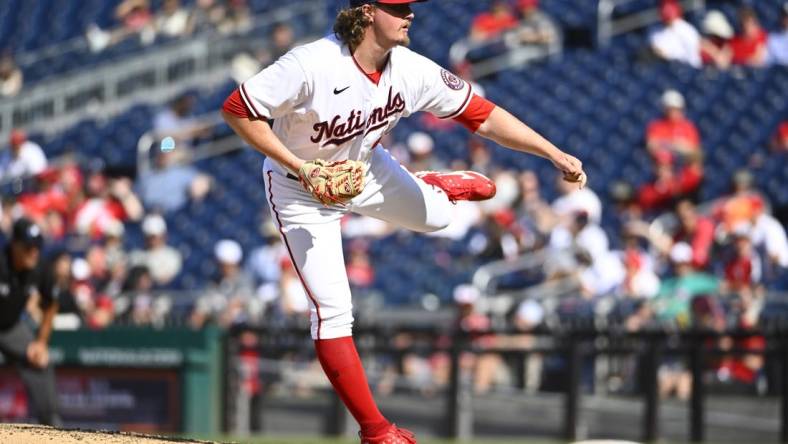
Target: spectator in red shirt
{"type": "Point", "coordinates": [743, 269]}
{"type": "Point", "coordinates": [135, 18]}
{"type": "Point", "coordinates": [715, 46]}
{"type": "Point", "coordinates": [491, 24]}
{"type": "Point", "coordinates": [96, 308]}
{"type": "Point", "coordinates": [134, 14]}
{"type": "Point", "coordinates": [671, 183]}
{"type": "Point", "coordinates": [780, 140]}
{"type": "Point", "coordinates": [47, 206]}
{"type": "Point", "coordinates": [535, 27]}
{"type": "Point", "coordinates": [473, 322]}
{"type": "Point", "coordinates": [360, 271]}
{"type": "Point", "coordinates": [108, 201]}
{"type": "Point", "coordinates": [744, 368]}
{"type": "Point", "coordinates": [673, 132]}
{"type": "Point", "coordinates": [749, 47]}
{"type": "Point", "coordinates": [696, 230]}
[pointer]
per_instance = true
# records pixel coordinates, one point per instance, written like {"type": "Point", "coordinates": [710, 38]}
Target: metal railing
{"type": "Point", "coordinates": [215, 147]}
{"type": "Point", "coordinates": [609, 27]}
{"type": "Point", "coordinates": [573, 345]}
{"type": "Point", "coordinates": [498, 303]}
{"type": "Point", "coordinates": [514, 55]}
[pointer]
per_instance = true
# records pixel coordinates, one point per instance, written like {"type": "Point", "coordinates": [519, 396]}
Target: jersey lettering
{"type": "Point", "coordinates": [393, 106]}
{"type": "Point", "coordinates": [339, 133]}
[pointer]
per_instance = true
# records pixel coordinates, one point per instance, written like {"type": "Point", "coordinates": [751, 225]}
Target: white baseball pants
{"type": "Point", "coordinates": [312, 235]}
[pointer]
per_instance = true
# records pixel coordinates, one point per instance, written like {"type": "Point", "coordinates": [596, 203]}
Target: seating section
{"type": "Point", "coordinates": [36, 26]}
{"type": "Point", "coordinates": [596, 104]}
{"type": "Point", "coordinates": [48, 36]}
{"type": "Point", "coordinates": [601, 120]}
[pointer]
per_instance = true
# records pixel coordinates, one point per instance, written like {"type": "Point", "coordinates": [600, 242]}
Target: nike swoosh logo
{"type": "Point", "coordinates": [340, 91]}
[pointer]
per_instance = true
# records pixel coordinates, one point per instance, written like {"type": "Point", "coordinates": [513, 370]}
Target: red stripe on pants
{"type": "Point", "coordinates": [290, 252]}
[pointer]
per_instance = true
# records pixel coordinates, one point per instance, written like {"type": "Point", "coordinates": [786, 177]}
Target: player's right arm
{"type": "Point", "coordinates": [273, 93]}
{"type": "Point", "coordinates": [258, 134]}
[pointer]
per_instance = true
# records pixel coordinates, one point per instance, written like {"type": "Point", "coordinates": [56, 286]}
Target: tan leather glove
{"type": "Point", "coordinates": [332, 183]}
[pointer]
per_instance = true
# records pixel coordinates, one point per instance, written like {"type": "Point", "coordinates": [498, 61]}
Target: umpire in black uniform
{"type": "Point", "coordinates": [21, 275]}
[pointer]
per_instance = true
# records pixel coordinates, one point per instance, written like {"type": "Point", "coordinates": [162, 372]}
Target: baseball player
{"type": "Point", "coordinates": [318, 114]}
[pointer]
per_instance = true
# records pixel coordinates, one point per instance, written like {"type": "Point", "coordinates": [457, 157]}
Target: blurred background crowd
{"type": "Point", "coordinates": [681, 123]}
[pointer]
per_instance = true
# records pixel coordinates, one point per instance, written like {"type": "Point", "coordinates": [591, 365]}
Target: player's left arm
{"type": "Point", "coordinates": [447, 96]}
{"type": "Point", "coordinates": [509, 131]}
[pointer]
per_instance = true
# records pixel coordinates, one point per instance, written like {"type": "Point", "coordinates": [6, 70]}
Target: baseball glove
{"type": "Point", "coordinates": [334, 182]}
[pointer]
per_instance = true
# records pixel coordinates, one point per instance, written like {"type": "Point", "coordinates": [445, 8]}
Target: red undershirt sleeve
{"type": "Point", "coordinates": [235, 106]}
{"type": "Point", "coordinates": [475, 113]}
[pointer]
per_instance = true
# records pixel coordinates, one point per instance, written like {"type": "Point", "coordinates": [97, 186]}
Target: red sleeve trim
{"type": "Point", "coordinates": [464, 102]}
{"type": "Point", "coordinates": [234, 105]}
{"type": "Point", "coordinates": [249, 104]}
{"type": "Point", "coordinates": [476, 113]}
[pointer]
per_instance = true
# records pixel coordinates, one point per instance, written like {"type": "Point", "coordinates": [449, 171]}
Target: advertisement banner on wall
{"type": "Point", "coordinates": [145, 400]}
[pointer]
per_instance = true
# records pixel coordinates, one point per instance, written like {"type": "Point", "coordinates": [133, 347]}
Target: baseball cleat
{"type": "Point", "coordinates": [460, 185]}
{"type": "Point", "coordinates": [393, 435]}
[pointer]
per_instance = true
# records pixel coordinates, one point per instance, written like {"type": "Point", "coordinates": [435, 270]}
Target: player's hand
{"type": "Point", "coordinates": [332, 183]}
{"type": "Point", "coordinates": [38, 354]}
{"type": "Point", "coordinates": [571, 167]}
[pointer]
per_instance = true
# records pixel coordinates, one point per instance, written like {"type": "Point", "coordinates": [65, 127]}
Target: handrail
{"type": "Point", "coordinates": [154, 77]}
{"type": "Point", "coordinates": [607, 27]}
{"type": "Point", "coordinates": [484, 275]}
{"type": "Point", "coordinates": [202, 151]}
{"type": "Point", "coordinates": [499, 303]}
{"type": "Point", "coordinates": [515, 56]}
{"type": "Point", "coordinates": [54, 50]}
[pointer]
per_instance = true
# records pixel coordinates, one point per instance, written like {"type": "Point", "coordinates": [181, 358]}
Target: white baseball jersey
{"type": "Point", "coordinates": [325, 107]}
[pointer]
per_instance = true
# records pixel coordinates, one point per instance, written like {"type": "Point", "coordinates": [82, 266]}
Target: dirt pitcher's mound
{"type": "Point", "coordinates": [36, 434]}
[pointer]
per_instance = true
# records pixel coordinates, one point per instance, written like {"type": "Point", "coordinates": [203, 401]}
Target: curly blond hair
{"type": "Point", "coordinates": [350, 25]}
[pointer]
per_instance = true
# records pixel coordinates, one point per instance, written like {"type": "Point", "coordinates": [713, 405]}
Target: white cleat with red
{"type": "Point", "coordinates": [460, 185]}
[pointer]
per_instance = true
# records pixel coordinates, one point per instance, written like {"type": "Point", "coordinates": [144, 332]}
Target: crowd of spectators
{"type": "Point", "coordinates": [85, 207]}
{"type": "Point", "coordinates": [137, 19]}
{"type": "Point", "coordinates": [718, 43]}
{"type": "Point", "coordinates": [673, 261]}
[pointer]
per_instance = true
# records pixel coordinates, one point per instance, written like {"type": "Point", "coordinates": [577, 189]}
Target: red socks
{"type": "Point", "coordinates": [342, 365]}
